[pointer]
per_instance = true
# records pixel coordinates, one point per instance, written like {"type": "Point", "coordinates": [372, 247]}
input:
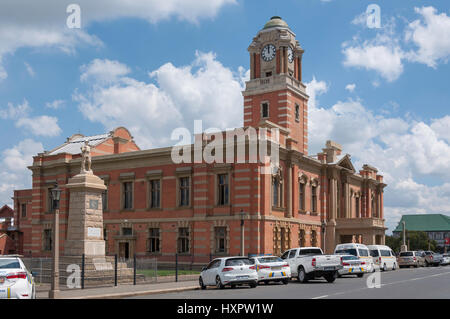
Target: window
{"type": "Point", "coordinates": [310, 251]}
{"type": "Point", "coordinates": [222, 180]}
{"type": "Point", "coordinates": [314, 199]}
{"type": "Point", "coordinates": [313, 238]}
{"type": "Point", "coordinates": [105, 199]}
{"type": "Point", "coordinates": [357, 207]}
{"type": "Point", "coordinates": [301, 203]}
{"type": "Point", "coordinates": [285, 255]}
{"type": "Point", "coordinates": [23, 209]}
{"type": "Point", "coordinates": [153, 240]}
{"type": "Point", "coordinates": [268, 74]}
{"type": "Point", "coordinates": [277, 192]}
{"type": "Point", "coordinates": [214, 264]}
{"type": "Point", "coordinates": [363, 252]}
{"type": "Point", "coordinates": [292, 253]}
{"type": "Point", "coordinates": [297, 112]}
{"type": "Point", "coordinates": [238, 262]}
{"type": "Point", "coordinates": [183, 240]}
{"type": "Point", "coordinates": [48, 240]}
{"type": "Point", "coordinates": [184, 191]}
{"type": "Point", "coordinates": [220, 234]}
{"type": "Point", "coordinates": [374, 253]}
{"type": "Point", "coordinates": [264, 110]}
{"type": "Point", "coordinates": [127, 231]}
{"type": "Point", "coordinates": [155, 193]}
{"type": "Point", "coordinates": [301, 238]}
{"type": "Point", "coordinates": [127, 195]}
{"type": "Point", "coordinates": [50, 205]}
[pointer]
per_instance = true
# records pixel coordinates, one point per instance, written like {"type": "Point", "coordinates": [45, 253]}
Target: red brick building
{"type": "Point", "coordinates": [10, 236]}
{"type": "Point", "coordinates": [155, 207]}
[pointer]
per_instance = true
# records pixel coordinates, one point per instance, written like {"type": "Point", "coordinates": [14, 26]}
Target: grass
{"type": "Point", "coordinates": [162, 273]}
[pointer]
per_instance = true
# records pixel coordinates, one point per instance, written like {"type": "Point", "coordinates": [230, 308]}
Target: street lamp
{"type": "Point", "coordinates": [242, 214]}
{"type": "Point", "coordinates": [56, 195]}
{"type": "Point", "coordinates": [404, 247]}
{"type": "Point", "coordinates": [323, 234]}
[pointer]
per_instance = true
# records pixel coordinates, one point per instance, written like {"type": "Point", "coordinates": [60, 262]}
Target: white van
{"type": "Point", "coordinates": [383, 257]}
{"type": "Point", "coordinates": [359, 250]}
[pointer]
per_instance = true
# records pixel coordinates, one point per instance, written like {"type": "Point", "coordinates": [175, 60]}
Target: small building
{"type": "Point", "coordinates": [10, 239]}
{"type": "Point", "coordinates": [437, 227]}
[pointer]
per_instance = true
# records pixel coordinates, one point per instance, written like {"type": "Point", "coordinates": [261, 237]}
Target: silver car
{"type": "Point", "coordinates": [410, 259]}
{"type": "Point", "coordinates": [352, 265]}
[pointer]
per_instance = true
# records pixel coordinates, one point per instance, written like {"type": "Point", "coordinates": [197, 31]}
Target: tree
{"type": "Point", "coordinates": [418, 240]}
{"type": "Point", "coordinates": [394, 243]}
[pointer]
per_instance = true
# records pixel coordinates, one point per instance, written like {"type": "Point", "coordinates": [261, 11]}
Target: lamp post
{"type": "Point", "coordinates": [54, 291]}
{"type": "Point", "coordinates": [404, 247]}
{"type": "Point", "coordinates": [242, 214]}
{"type": "Point", "coordinates": [323, 235]}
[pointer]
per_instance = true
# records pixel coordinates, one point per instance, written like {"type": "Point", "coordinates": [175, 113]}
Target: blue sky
{"type": "Point", "coordinates": [156, 65]}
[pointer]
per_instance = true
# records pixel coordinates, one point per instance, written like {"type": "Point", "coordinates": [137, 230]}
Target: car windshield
{"type": "Point", "coordinates": [269, 259]}
{"type": "Point", "coordinates": [310, 251]}
{"type": "Point", "coordinates": [350, 251]}
{"type": "Point", "coordinates": [9, 263]}
{"type": "Point", "coordinates": [238, 262]}
{"type": "Point", "coordinates": [363, 252]}
{"type": "Point", "coordinates": [374, 253]}
{"type": "Point", "coordinates": [349, 258]}
{"type": "Point", "coordinates": [406, 253]}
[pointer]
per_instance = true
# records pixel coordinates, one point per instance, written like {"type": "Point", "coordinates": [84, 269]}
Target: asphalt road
{"type": "Point", "coordinates": [426, 283]}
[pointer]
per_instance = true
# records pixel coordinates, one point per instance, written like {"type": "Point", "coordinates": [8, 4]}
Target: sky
{"type": "Point", "coordinates": [152, 66]}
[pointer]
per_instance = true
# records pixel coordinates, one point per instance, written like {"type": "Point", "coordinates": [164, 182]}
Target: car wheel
{"type": "Point", "coordinates": [253, 284]}
{"type": "Point", "coordinates": [427, 264]}
{"type": "Point", "coordinates": [200, 282]}
{"type": "Point", "coordinates": [33, 295]}
{"type": "Point", "coordinates": [394, 266]}
{"type": "Point", "coordinates": [384, 267]}
{"type": "Point", "coordinates": [219, 284]}
{"type": "Point", "coordinates": [233, 286]}
{"type": "Point", "coordinates": [331, 277]}
{"type": "Point", "coordinates": [360, 275]}
{"type": "Point", "coordinates": [301, 276]}
{"type": "Point", "coordinates": [285, 281]}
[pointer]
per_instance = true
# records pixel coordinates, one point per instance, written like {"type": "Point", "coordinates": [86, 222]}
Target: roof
{"type": "Point", "coordinates": [74, 143]}
{"type": "Point", "coordinates": [276, 21]}
{"type": "Point", "coordinates": [424, 222]}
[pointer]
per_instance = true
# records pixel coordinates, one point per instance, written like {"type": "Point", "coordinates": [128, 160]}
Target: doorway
{"type": "Point", "coordinates": [124, 250]}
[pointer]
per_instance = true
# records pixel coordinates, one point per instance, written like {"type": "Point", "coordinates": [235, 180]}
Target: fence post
{"type": "Point", "coordinates": [134, 269]}
{"type": "Point", "coordinates": [176, 267]}
{"type": "Point", "coordinates": [115, 270]}
{"type": "Point", "coordinates": [82, 270]}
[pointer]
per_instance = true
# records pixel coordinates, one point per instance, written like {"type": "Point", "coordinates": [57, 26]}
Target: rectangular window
{"type": "Point", "coordinates": [127, 231]}
{"type": "Point", "coordinates": [301, 203]}
{"type": "Point", "coordinates": [313, 238]}
{"type": "Point", "coordinates": [23, 209]}
{"type": "Point", "coordinates": [222, 180]}
{"type": "Point", "coordinates": [153, 240]}
{"type": "Point", "coordinates": [184, 191]}
{"type": "Point", "coordinates": [264, 110]}
{"type": "Point", "coordinates": [105, 199]}
{"type": "Point", "coordinates": [357, 206]}
{"type": "Point", "coordinates": [127, 195]}
{"type": "Point", "coordinates": [48, 240]}
{"type": "Point", "coordinates": [50, 205]}
{"type": "Point", "coordinates": [221, 239]}
{"type": "Point", "coordinates": [314, 199]}
{"type": "Point", "coordinates": [277, 193]}
{"type": "Point", "coordinates": [155, 193]}
{"type": "Point", "coordinates": [301, 238]}
{"type": "Point", "coordinates": [297, 112]}
{"type": "Point", "coordinates": [183, 240]}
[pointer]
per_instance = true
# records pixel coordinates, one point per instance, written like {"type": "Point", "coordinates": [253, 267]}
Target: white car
{"type": "Point", "coordinates": [359, 250]}
{"type": "Point", "coordinates": [383, 257]}
{"type": "Point", "coordinates": [15, 280]}
{"type": "Point", "coordinates": [352, 266]}
{"type": "Point", "coordinates": [272, 268]}
{"type": "Point", "coordinates": [445, 259]}
{"type": "Point", "coordinates": [229, 271]}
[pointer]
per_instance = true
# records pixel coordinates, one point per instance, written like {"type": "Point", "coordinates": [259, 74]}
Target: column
{"type": "Point", "coordinates": [289, 190]}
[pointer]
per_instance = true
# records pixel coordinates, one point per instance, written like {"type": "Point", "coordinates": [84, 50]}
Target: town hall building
{"type": "Point", "coordinates": [155, 207]}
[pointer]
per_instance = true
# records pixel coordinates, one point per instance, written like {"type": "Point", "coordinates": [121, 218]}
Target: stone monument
{"type": "Point", "coordinates": [85, 222]}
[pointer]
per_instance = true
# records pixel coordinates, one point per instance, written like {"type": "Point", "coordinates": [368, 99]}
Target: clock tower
{"type": "Point", "coordinates": [275, 95]}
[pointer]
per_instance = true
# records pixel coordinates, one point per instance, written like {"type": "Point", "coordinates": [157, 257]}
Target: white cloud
{"type": "Point", "coordinates": [431, 35]}
{"type": "Point", "coordinates": [56, 104]}
{"type": "Point", "coordinates": [40, 125]}
{"type": "Point", "coordinates": [14, 112]}
{"type": "Point", "coordinates": [36, 24]}
{"type": "Point", "coordinates": [103, 71]}
{"type": "Point", "coordinates": [204, 90]}
{"type": "Point", "coordinates": [29, 69]}
{"type": "Point", "coordinates": [314, 89]}
{"type": "Point", "coordinates": [350, 87]}
{"type": "Point", "coordinates": [14, 173]}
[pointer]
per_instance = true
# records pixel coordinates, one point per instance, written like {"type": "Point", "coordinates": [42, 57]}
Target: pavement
{"type": "Point", "coordinates": [121, 291]}
{"type": "Point", "coordinates": [409, 283]}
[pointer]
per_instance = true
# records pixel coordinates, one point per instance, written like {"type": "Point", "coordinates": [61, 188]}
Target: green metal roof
{"type": "Point", "coordinates": [424, 222]}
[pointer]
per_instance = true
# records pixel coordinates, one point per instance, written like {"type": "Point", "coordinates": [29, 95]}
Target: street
{"type": "Point", "coordinates": [426, 283]}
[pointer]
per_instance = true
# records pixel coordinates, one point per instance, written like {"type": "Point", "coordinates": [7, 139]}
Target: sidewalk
{"type": "Point", "coordinates": [122, 291]}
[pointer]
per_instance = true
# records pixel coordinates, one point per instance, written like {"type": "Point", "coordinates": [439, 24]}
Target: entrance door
{"type": "Point", "coordinates": [124, 250]}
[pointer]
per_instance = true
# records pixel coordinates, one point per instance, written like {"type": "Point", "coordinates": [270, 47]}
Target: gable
{"type": "Point", "coordinates": [346, 162]}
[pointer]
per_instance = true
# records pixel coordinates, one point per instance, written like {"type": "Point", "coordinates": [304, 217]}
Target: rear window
{"type": "Point", "coordinates": [349, 258]}
{"type": "Point", "coordinates": [374, 253]}
{"type": "Point", "coordinates": [9, 263]}
{"type": "Point", "coordinates": [311, 251]}
{"type": "Point", "coordinates": [269, 259]}
{"type": "Point", "coordinates": [363, 252]}
{"type": "Point", "coordinates": [406, 253]}
{"type": "Point", "coordinates": [238, 262]}
{"type": "Point", "coordinates": [385, 253]}
{"type": "Point", "coordinates": [350, 251]}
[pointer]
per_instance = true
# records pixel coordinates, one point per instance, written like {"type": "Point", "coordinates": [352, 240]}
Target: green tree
{"type": "Point", "coordinates": [418, 240]}
{"type": "Point", "coordinates": [394, 243]}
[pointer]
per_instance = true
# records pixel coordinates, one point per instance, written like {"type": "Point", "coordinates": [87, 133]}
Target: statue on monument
{"type": "Point", "coordinates": [86, 158]}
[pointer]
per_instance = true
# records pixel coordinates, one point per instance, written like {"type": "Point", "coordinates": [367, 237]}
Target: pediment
{"type": "Point", "coordinates": [346, 162]}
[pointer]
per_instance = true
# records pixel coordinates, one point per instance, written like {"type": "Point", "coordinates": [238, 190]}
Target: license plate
{"type": "Point", "coordinates": [276, 268]}
{"type": "Point", "coordinates": [329, 268]}
{"type": "Point", "coordinates": [242, 277]}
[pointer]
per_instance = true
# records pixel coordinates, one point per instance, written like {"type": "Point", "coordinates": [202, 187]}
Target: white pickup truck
{"type": "Point", "coordinates": [309, 262]}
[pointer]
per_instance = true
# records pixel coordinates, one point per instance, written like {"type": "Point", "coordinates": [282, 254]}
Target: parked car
{"type": "Point", "coordinates": [230, 271]}
{"type": "Point", "coordinates": [309, 263]}
{"type": "Point", "coordinates": [383, 257]}
{"type": "Point", "coordinates": [352, 266]}
{"type": "Point", "coordinates": [16, 282]}
{"type": "Point", "coordinates": [410, 259]}
{"type": "Point", "coordinates": [359, 250]}
{"type": "Point", "coordinates": [272, 268]}
{"type": "Point", "coordinates": [432, 258]}
{"type": "Point", "coordinates": [445, 259]}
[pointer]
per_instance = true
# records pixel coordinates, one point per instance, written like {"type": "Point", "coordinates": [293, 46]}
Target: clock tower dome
{"type": "Point", "coordinates": [275, 95]}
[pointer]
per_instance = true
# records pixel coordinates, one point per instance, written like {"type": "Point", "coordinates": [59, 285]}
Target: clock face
{"type": "Point", "coordinates": [268, 52]}
{"type": "Point", "coordinates": [290, 54]}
